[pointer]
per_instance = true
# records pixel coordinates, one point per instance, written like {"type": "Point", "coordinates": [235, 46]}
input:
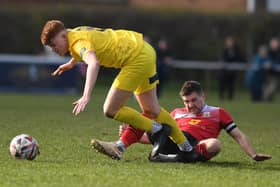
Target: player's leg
{"type": "Point", "coordinates": [149, 104]}
{"type": "Point", "coordinates": [137, 70]}
{"type": "Point", "coordinates": [148, 101]}
{"type": "Point", "coordinates": [107, 148]}
{"type": "Point", "coordinates": [208, 148]}
{"type": "Point", "coordinates": [114, 108]}
{"type": "Point", "coordinates": [131, 135]}
{"type": "Point", "coordinates": [115, 99]}
{"type": "Point", "coordinates": [203, 151]}
{"type": "Point", "coordinates": [128, 136]}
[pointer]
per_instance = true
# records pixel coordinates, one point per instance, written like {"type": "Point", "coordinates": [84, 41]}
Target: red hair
{"type": "Point", "coordinates": [49, 31]}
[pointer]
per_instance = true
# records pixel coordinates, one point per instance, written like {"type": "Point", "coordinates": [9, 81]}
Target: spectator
{"type": "Point", "coordinates": [255, 77]}
{"type": "Point", "coordinates": [226, 76]}
{"type": "Point", "coordinates": [164, 58]}
{"type": "Point", "coordinates": [271, 74]}
{"type": "Point", "coordinates": [273, 50]}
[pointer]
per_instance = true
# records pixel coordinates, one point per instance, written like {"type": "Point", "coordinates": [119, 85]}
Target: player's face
{"type": "Point", "coordinates": [194, 102]}
{"type": "Point", "coordinates": [59, 43]}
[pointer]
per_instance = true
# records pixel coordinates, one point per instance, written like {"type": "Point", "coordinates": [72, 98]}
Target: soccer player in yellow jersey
{"type": "Point", "coordinates": [136, 58]}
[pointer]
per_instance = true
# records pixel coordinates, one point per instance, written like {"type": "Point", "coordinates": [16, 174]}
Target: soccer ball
{"type": "Point", "coordinates": [24, 146]}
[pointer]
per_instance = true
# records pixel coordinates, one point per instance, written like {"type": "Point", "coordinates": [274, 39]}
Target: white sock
{"type": "Point", "coordinates": [156, 127]}
{"type": "Point", "coordinates": [186, 146]}
{"type": "Point", "coordinates": [120, 145]}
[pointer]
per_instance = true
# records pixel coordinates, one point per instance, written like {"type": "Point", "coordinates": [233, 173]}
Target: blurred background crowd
{"type": "Point", "coordinates": [228, 45]}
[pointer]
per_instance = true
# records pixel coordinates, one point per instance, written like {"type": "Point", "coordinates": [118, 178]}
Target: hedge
{"type": "Point", "coordinates": [191, 35]}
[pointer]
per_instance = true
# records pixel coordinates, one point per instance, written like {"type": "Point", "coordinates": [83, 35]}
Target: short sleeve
{"type": "Point", "coordinates": [226, 120]}
{"type": "Point", "coordinates": [80, 49]}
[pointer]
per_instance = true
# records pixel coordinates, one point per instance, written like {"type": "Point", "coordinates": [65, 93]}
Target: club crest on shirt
{"type": "Point", "coordinates": [82, 51]}
{"type": "Point", "coordinates": [206, 114]}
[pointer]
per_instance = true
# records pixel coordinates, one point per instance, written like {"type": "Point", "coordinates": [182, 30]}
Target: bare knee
{"type": "Point", "coordinates": [150, 114]}
{"type": "Point", "coordinates": [110, 113]}
{"type": "Point", "coordinates": [213, 146]}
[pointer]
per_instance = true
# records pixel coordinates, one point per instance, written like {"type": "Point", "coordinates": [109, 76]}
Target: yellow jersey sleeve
{"type": "Point", "coordinates": [80, 49]}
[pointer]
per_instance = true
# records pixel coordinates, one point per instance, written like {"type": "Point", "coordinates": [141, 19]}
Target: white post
{"type": "Point", "coordinates": [251, 6]}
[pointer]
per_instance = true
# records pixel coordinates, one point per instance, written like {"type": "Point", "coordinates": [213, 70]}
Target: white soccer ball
{"type": "Point", "coordinates": [24, 146]}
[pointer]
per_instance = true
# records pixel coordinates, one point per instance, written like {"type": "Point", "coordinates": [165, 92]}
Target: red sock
{"type": "Point", "coordinates": [201, 149]}
{"type": "Point", "coordinates": [131, 135]}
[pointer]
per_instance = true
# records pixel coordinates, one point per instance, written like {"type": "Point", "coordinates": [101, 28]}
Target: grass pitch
{"type": "Point", "coordinates": [67, 160]}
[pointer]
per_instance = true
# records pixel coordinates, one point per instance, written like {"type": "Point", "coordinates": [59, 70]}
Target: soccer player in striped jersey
{"type": "Point", "coordinates": [136, 59]}
{"type": "Point", "coordinates": [199, 122]}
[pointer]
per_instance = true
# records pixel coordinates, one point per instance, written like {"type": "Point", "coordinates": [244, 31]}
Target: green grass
{"type": "Point", "coordinates": [67, 160]}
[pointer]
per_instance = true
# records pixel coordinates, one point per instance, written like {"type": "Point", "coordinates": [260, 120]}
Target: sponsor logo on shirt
{"type": "Point", "coordinates": [194, 121]}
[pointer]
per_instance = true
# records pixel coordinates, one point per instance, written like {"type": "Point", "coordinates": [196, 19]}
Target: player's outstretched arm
{"type": "Point", "coordinates": [64, 67]}
{"type": "Point", "coordinates": [91, 76]}
{"type": "Point", "coordinates": [245, 144]}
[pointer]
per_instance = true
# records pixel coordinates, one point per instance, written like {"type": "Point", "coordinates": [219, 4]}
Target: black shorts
{"type": "Point", "coordinates": [171, 148]}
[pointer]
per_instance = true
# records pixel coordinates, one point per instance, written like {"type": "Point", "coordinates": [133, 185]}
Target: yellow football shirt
{"type": "Point", "coordinates": [113, 48]}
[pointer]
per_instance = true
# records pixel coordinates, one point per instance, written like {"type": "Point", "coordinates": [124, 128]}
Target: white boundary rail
{"type": "Point", "coordinates": [32, 59]}
{"type": "Point", "coordinates": [203, 65]}
{"type": "Point", "coordinates": [180, 64]}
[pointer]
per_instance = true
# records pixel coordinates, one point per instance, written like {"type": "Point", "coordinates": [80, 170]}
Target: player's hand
{"type": "Point", "coordinates": [62, 68]}
{"type": "Point", "coordinates": [261, 157]}
{"type": "Point", "coordinates": [80, 105]}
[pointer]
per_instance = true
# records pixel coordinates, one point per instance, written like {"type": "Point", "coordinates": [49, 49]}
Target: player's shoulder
{"type": "Point", "coordinates": [215, 110]}
{"type": "Point", "coordinates": [209, 108]}
{"type": "Point", "coordinates": [223, 112]}
{"type": "Point", "coordinates": [218, 112]}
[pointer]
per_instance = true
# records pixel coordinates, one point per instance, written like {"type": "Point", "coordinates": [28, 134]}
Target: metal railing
{"type": "Point", "coordinates": [180, 64]}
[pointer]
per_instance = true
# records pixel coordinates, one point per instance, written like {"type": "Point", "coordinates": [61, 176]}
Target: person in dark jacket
{"type": "Point", "coordinates": [227, 77]}
{"type": "Point", "coordinates": [164, 59]}
{"type": "Point", "coordinates": [272, 75]}
{"type": "Point", "coordinates": [255, 78]}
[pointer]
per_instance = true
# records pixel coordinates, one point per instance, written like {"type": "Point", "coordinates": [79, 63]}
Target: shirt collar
{"type": "Point", "coordinates": [204, 108]}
